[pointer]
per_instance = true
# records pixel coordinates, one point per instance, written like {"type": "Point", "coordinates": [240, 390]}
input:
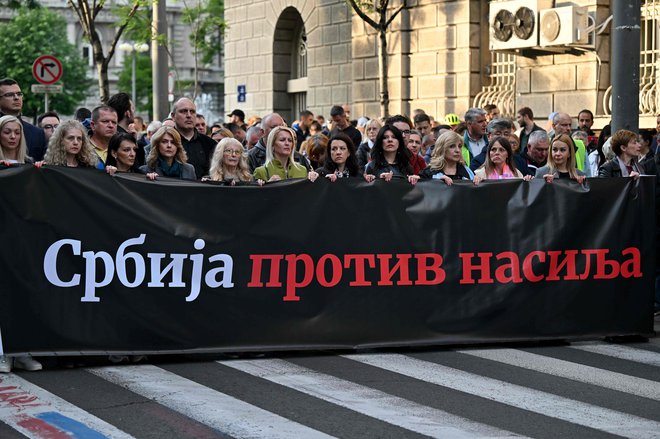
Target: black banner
{"type": "Point", "coordinates": [94, 263]}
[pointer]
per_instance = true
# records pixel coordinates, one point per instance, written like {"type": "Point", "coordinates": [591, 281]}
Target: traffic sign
{"type": "Point", "coordinates": [43, 88]}
{"type": "Point", "coordinates": [47, 69]}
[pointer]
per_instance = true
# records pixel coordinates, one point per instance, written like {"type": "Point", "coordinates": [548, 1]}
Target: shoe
{"type": "Point", "coordinates": [27, 363]}
{"type": "Point", "coordinates": [116, 359]}
{"type": "Point", "coordinates": [138, 358]}
{"type": "Point", "coordinates": [5, 364]}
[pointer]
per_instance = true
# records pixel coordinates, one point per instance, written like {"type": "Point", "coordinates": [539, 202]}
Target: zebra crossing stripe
{"type": "Point", "coordinates": [367, 401]}
{"type": "Point", "coordinates": [514, 395]}
{"type": "Point", "coordinates": [210, 407]}
{"type": "Point", "coordinates": [621, 352]}
{"type": "Point", "coordinates": [39, 414]}
{"type": "Point", "coordinates": [566, 369]}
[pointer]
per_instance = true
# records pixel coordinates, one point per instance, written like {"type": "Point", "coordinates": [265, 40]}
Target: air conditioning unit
{"type": "Point", "coordinates": [514, 23]}
{"type": "Point", "coordinates": [564, 26]}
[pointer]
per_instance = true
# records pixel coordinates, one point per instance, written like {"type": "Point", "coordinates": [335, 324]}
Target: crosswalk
{"type": "Point", "coordinates": [582, 390]}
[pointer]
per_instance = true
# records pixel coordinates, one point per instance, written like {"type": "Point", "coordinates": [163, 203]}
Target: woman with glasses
{"type": "Point", "coordinates": [228, 164]}
{"type": "Point", "coordinates": [167, 157]}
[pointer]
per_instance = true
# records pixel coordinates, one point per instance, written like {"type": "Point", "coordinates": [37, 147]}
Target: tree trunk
{"type": "Point", "coordinates": [101, 67]}
{"type": "Point", "coordinates": [382, 64]}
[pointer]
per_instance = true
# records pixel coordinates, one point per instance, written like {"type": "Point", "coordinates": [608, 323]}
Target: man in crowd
{"type": "Point", "coordinates": [199, 147]}
{"type": "Point", "coordinates": [536, 153]}
{"type": "Point", "coordinates": [11, 104]}
{"type": "Point", "coordinates": [302, 130]}
{"type": "Point", "coordinates": [474, 139]}
{"type": "Point", "coordinates": [103, 126]}
{"type": "Point", "coordinates": [237, 131]}
{"type": "Point", "coordinates": [200, 124]}
{"type": "Point", "coordinates": [340, 124]}
{"type": "Point", "coordinates": [48, 122]}
{"type": "Point", "coordinates": [423, 123]}
{"type": "Point", "coordinates": [252, 136]}
{"type": "Point", "coordinates": [238, 117]}
{"type": "Point", "coordinates": [492, 112]}
{"type": "Point", "coordinates": [585, 121]}
{"type": "Point", "coordinates": [525, 118]}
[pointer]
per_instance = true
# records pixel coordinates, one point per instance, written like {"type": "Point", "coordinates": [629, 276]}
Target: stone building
{"type": "Point", "coordinates": [292, 54]}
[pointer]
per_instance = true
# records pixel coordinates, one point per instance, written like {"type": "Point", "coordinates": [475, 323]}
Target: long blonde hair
{"type": "Point", "coordinates": [271, 140]}
{"type": "Point", "coordinates": [56, 153]}
{"type": "Point", "coordinates": [570, 162]}
{"type": "Point", "coordinates": [22, 146]}
{"type": "Point", "coordinates": [218, 170]}
{"type": "Point", "coordinates": [154, 153]}
{"type": "Point", "coordinates": [444, 141]}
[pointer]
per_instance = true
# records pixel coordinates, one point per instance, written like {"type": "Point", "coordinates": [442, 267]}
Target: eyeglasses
{"type": "Point", "coordinates": [18, 94]}
{"type": "Point", "coordinates": [405, 132]}
{"type": "Point", "coordinates": [50, 127]}
{"type": "Point", "coordinates": [232, 152]}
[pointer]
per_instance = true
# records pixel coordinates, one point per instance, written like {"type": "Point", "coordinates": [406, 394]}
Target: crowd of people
{"type": "Point", "coordinates": [483, 145]}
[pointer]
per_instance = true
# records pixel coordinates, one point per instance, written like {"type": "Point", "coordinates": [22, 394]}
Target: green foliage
{"type": "Point", "coordinates": [36, 32]}
{"type": "Point", "coordinates": [208, 25]}
{"type": "Point", "coordinates": [17, 4]}
{"type": "Point", "coordinates": [143, 89]}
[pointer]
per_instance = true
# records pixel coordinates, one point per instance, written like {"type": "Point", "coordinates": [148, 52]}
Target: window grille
{"type": "Point", "coordinates": [502, 88]}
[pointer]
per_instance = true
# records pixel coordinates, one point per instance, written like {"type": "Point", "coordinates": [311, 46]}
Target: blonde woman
{"type": "Point", "coordinates": [446, 161]}
{"type": "Point", "coordinates": [279, 164]}
{"type": "Point", "coordinates": [13, 147]}
{"type": "Point", "coordinates": [229, 164]}
{"type": "Point", "coordinates": [167, 157]}
{"type": "Point", "coordinates": [364, 150]}
{"type": "Point", "coordinates": [561, 161]}
{"type": "Point", "coordinates": [69, 146]}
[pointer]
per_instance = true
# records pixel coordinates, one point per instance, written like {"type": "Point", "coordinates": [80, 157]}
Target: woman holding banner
{"type": "Point", "coordinates": [390, 157]}
{"type": "Point", "coordinates": [340, 161]}
{"type": "Point", "coordinates": [561, 161]}
{"type": "Point", "coordinates": [167, 157]}
{"type": "Point", "coordinates": [13, 147]}
{"type": "Point", "coordinates": [122, 151]}
{"type": "Point", "coordinates": [228, 164]}
{"type": "Point", "coordinates": [69, 146]}
{"type": "Point", "coordinates": [499, 162]}
{"type": "Point", "coordinates": [280, 164]}
{"type": "Point", "coordinates": [446, 161]}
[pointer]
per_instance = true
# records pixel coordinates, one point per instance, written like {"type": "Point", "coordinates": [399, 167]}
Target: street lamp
{"type": "Point", "coordinates": [133, 49]}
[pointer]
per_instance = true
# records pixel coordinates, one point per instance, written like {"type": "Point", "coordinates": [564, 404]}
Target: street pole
{"type": "Point", "coordinates": [625, 64]}
{"type": "Point", "coordinates": [159, 61]}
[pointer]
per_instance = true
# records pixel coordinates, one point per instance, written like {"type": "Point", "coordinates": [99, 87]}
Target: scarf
{"type": "Point", "coordinates": [175, 170]}
{"type": "Point", "coordinates": [506, 173]}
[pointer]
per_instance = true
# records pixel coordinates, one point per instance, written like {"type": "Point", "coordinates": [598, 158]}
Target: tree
{"type": "Point", "coordinates": [362, 8]}
{"type": "Point", "coordinates": [143, 100]}
{"type": "Point", "coordinates": [87, 16]}
{"type": "Point", "coordinates": [208, 26]}
{"type": "Point", "coordinates": [27, 36]}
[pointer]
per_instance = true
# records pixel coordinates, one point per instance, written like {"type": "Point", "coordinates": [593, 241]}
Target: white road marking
{"type": "Point", "coordinates": [367, 401]}
{"type": "Point", "coordinates": [621, 352]}
{"type": "Point", "coordinates": [514, 395]}
{"type": "Point", "coordinates": [215, 409]}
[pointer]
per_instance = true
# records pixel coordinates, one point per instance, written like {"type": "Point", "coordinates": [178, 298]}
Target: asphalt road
{"type": "Point", "coordinates": [591, 389]}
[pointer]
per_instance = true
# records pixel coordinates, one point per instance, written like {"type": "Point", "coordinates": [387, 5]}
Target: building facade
{"type": "Point", "coordinates": [286, 55]}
